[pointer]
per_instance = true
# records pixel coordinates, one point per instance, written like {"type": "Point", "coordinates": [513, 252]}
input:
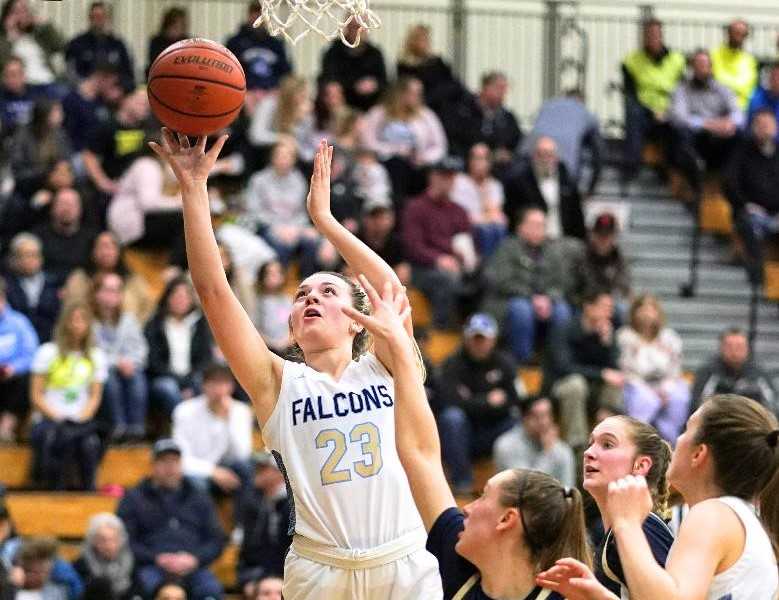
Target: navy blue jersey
{"type": "Point", "coordinates": [455, 570]}
{"type": "Point", "coordinates": [608, 567]}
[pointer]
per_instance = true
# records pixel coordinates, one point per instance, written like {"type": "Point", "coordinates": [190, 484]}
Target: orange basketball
{"type": "Point", "coordinates": [196, 87]}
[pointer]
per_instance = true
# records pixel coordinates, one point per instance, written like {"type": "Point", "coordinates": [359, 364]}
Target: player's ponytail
{"type": "Point", "coordinates": [742, 437]}
{"type": "Point", "coordinates": [552, 517]}
{"type": "Point", "coordinates": [649, 443]}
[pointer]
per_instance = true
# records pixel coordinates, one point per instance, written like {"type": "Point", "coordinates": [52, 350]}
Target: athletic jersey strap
{"type": "Point", "coordinates": [467, 587]}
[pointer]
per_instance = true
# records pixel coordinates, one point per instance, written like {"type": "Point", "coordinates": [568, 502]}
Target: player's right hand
{"type": "Point", "coordinates": [190, 164]}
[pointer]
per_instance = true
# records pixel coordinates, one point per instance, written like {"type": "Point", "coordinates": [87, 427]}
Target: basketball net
{"type": "Point", "coordinates": [328, 18]}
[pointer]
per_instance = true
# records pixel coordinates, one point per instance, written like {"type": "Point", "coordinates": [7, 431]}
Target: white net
{"type": "Point", "coordinates": [295, 19]}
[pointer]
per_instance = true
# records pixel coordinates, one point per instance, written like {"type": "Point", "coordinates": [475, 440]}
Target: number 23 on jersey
{"type": "Point", "coordinates": [365, 434]}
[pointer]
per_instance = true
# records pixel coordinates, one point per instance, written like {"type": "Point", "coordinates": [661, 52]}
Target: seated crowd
{"type": "Point", "coordinates": [487, 223]}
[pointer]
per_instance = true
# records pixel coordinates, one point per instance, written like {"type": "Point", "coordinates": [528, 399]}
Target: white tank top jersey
{"type": "Point", "coordinates": [754, 575]}
{"type": "Point", "coordinates": [335, 442]}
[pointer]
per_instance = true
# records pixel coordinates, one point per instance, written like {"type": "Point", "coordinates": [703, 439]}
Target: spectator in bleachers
{"type": "Point", "coordinates": [330, 109]}
{"type": "Point", "coordinates": [544, 181]}
{"type": "Point", "coordinates": [576, 132]}
{"type": "Point", "coordinates": [31, 290]}
{"type": "Point", "coordinates": [436, 235]}
{"type": "Point", "coordinates": [38, 145]}
{"type": "Point", "coordinates": [36, 42]}
{"type": "Point", "coordinates": [581, 368]}
{"type": "Point", "coordinates": [705, 118]}
{"type": "Point", "coordinates": [107, 257]}
{"type": "Point", "coordinates": [650, 357]}
{"type": "Point", "coordinates": [733, 66]}
{"type": "Point", "coordinates": [99, 44]}
{"type": "Point", "coordinates": [418, 61]}
{"type": "Point", "coordinates": [378, 232]}
{"type": "Point", "coordinates": [750, 184]}
{"type": "Point", "coordinates": [214, 432]}
{"type": "Point", "coordinates": [372, 179]}
{"type": "Point", "coordinates": [733, 370]}
{"type": "Point", "coordinates": [275, 207]}
{"type": "Point", "coordinates": [268, 588]}
{"type": "Point", "coordinates": [360, 71]}
{"type": "Point", "coordinates": [170, 591]}
{"type": "Point", "coordinates": [650, 76]}
{"type": "Point", "coordinates": [345, 203]}
{"type": "Point", "coordinates": [16, 97]}
{"type": "Point", "coordinates": [286, 114]}
{"type": "Point", "coordinates": [36, 561]}
{"type": "Point", "coordinates": [481, 195]}
{"type": "Point", "coordinates": [146, 209]}
{"type": "Point", "coordinates": [106, 561]}
{"type": "Point", "coordinates": [174, 27]}
{"type": "Point", "coordinates": [478, 383]}
{"type": "Point", "coordinates": [115, 144]}
{"type": "Point", "coordinates": [484, 118]}
{"type": "Point", "coordinates": [526, 283]}
{"type": "Point", "coordinates": [265, 520]}
{"type": "Point", "coordinates": [18, 343]}
{"type": "Point", "coordinates": [534, 443]}
{"type": "Point", "coordinates": [263, 57]}
{"type": "Point", "coordinates": [7, 588]}
{"type": "Point", "coordinates": [405, 135]}
{"type": "Point", "coordinates": [274, 306]}
{"type": "Point", "coordinates": [66, 241]}
{"type": "Point", "coordinates": [602, 264]}
{"type": "Point", "coordinates": [119, 335]}
{"type": "Point", "coordinates": [766, 96]}
{"type": "Point", "coordinates": [180, 346]}
{"type": "Point", "coordinates": [240, 281]}
{"type": "Point", "coordinates": [88, 105]}
{"type": "Point", "coordinates": [66, 389]}
{"type": "Point", "coordinates": [62, 573]}
{"type": "Point", "coordinates": [173, 528]}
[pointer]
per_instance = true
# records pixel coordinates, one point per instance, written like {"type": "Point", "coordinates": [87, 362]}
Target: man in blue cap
{"type": "Point", "coordinates": [478, 385]}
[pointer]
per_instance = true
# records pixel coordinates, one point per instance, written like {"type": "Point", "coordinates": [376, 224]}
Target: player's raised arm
{"type": "Point", "coordinates": [416, 435]}
{"type": "Point", "coordinates": [257, 369]}
{"type": "Point", "coordinates": [357, 255]}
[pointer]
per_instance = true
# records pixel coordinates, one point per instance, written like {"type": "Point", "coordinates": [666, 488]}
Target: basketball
{"type": "Point", "coordinates": [196, 87]}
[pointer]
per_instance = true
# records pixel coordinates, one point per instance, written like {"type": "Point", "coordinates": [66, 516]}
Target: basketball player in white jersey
{"type": "Point", "coordinates": [724, 463]}
{"type": "Point", "coordinates": [329, 420]}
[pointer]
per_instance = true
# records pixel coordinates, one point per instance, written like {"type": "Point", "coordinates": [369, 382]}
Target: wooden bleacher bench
{"type": "Point", "coordinates": [121, 465]}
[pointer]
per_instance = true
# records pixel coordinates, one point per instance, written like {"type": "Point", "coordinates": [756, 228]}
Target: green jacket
{"type": "Point", "coordinates": [47, 37]}
{"type": "Point", "coordinates": [655, 80]}
{"type": "Point", "coordinates": [737, 70]}
{"type": "Point", "coordinates": [513, 272]}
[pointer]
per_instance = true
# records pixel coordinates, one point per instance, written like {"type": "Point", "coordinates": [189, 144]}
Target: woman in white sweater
{"type": "Point", "coordinates": [651, 357]}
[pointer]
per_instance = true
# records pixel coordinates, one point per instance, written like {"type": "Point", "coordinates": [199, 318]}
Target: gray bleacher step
{"type": "Point", "coordinates": [652, 239]}
{"type": "Point", "coordinates": [712, 329]}
{"type": "Point", "coordinates": [720, 274]}
{"type": "Point", "coordinates": [704, 293]}
{"type": "Point", "coordinates": [720, 309]}
{"type": "Point", "coordinates": [660, 254]}
{"type": "Point", "coordinates": [670, 223]}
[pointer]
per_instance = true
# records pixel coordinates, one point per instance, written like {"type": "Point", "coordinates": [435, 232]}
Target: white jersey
{"type": "Point", "coordinates": [336, 443]}
{"type": "Point", "coordinates": [754, 575]}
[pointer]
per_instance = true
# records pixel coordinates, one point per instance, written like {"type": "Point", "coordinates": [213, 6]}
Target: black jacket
{"type": "Point", "coordinates": [85, 51]}
{"type": "Point", "coordinates": [266, 535]}
{"type": "Point", "coordinates": [521, 190]}
{"type": "Point", "coordinates": [466, 382]}
{"type": "Point", "coordinates": [466, 124]}
{"type": "Point", "coordinates": [348, 65]}
{"type": "Point", "coordinates": [262, 56]}
{"type": "Point", "coordinates": [201, 349]}
{"type": "Point", "coordinates": [183, 520]}
{"type": "Point", "coordinates": [715, 377]}
{"type": "Point", "coordinates": [44, 315]}
{"type": "Point", "coordinates": [753, 177]}
{"type": "Point", "coordinates": [441, 86]}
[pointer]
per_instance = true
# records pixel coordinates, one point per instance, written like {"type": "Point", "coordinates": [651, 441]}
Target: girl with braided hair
{"type": "Point", "coordinates": [725, 466]}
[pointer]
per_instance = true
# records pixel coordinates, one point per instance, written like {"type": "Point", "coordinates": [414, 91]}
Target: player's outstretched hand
{"type": "Point", "coordinates": [629, 501]}
{"type": "Point", "coordinates": [389, 312]}
{"type": "Point", "coordinates": [573, 580]}
{"type": "Point", "coordinates": [318, 201]}
{"type": "Point", "coordinates": [190, 164]}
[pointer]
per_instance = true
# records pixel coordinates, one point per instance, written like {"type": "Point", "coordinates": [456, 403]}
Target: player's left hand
{"type": "Point", "coordinates": [318, 200]}
{"type": "Point", "coordinates": [390, 310]}
{"type": "Point", "coordinates": [574, 581]}
{"type": "Point", "coordinates": [629, 501]}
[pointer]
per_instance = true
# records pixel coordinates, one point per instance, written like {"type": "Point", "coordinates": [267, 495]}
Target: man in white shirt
{"type": "Point", "coordinates": [214, 432]}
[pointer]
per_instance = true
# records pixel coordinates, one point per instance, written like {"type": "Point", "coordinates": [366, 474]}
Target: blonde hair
{"type": "Point", "coordinates": [287, 113]}
{"type": "Point", "coordinates": [62, 337]}
{"type": "Point", "coordinates": [639, 302]}
{"type": "Point", "coordinates": [407, 54]}
{"type": "Point", "coordinates": [393, 104]}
